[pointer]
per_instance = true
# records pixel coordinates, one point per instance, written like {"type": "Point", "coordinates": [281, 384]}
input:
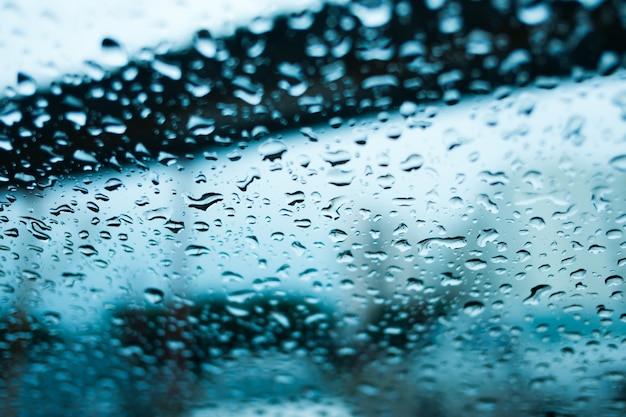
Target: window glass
{"type": "Point", "coordinates": [341, 208]}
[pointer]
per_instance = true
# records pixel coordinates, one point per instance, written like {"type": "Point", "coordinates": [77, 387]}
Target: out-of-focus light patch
{"type": "Point", "coordinates": [46, 40]}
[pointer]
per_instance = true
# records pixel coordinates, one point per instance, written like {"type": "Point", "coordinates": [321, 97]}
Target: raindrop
{"type": "Point", "coordinates": [93, 206]}
{"type": "Point", "coordinates": [535, 294]}
{"type": "Point", "coordinates": [538, 223]}
{"type": "Point", "coordinates": [614, 234]}
{"type": "Point", "coordinates": [294, 198]}
{"type": "Point", "coordinates": [337, 158]}
{"type": "Point", "coordinates": [64, 208]}
{"type": "Point", "coordinates": [113, 184]}
{"type": "Point", "coordinates": [230, 276]}
{"type": "Point", "coordinates": [534, 13]}
{"type": "Point", "coordinates": [457, 242]}
{"type": "Point", "coordinates": [337, 235]}
{"type": "Point", "coordinates": [490, 206]}
{"type": "Point", "coordinates": [487, 236]}
{"type": "Point", "coordinates": [87, 250]}
{"type": "Point", "coordinates": [578, 274]}
{"type": "Point", "coordinates": [84, 156]}
{"type": "Point", "coordinates": [200, 126]}
{"type": "Point", "coordinates": [52, 318]}
{"type": "Point", "coordinates": [166, 158]}
{"type": "Point", "coordinates": [386, 181]}
{"type": "Point", "coordinates": [252, 174]}
{"type": "Point", "coordinates": [174, 226]}
{"type": "Point", "coordinates": [113, 54]}
{"type": "Point", "coordinates": [205, 44]}
{"type": "Point", "coordinates": [5, 143]}
{"type": "Point", "coordinates": [475, 264]}
{"type": "Point", "coordinates": [401, 244]}
{"type": "Point", "coordinates": [153, 295]}
{"type": "Point", "coordinates": [237, 312]}
{"type": "Point", "coordinates": [339, 177]}
{"type": "Point", "coordinates": [26, 85]}
{"type": "Point", "coordinates": [272, 149]}
{"type": "Point", "coordinates": [240, 296]}
{"type": "Point", "coordinates": [77, 117]}
{"type": "Point", "coordinates": [393, 131]}
{"type": "Point", "coordinates": [205, 201]}
{"type": "Point", "coordinates": [618, 163]}
{"type": "Point", "coordinates": [196, 250]}
{"type": "Point", "coordinates": [479, 43]}
{"type": "Point", "coordinates": [167, 69]}
{"type": "Point", "coordinates": [373, 13]}
{"type": "Point", "coordinates": [412, 162]}
{"type": "Point", "coordinates": [408, 109]}
{"type": "Point", "coordinates": [473, 308]}
{"type": "Point", "coordinates": [614, 280]}
{"type": "Point", "coordinates": [304, 223]}
{"type": "Point", "coordinates": [449, 280]}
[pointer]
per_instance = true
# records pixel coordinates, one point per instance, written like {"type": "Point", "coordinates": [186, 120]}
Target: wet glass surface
{"type": "Point", "coordinates": [349, 208]}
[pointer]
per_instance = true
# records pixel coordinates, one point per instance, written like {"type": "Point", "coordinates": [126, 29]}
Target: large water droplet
{"type": "Point", "coordinates": [618, 163]}
{"type": "Point", "coordinates": [473, 308]}
{"type": "Point", "coordinates": [153, 295]}
{"type": "Point", "coordinates": [373, 13]}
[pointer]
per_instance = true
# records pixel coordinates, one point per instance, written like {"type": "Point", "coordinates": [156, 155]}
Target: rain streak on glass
{"type": "Point", "coordinates": [341, 208]}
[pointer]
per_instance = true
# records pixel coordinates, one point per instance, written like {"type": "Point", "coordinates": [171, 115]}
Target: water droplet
{"type": "Point", "coordinates": [537, 222]}
{"type": "Point", "coordinates": [535, 294]}
{"type": "Point", "coordinates": [578, 274]}
{"type": "Point", "coordinates": [174, 226]}
{"type": "Point", "coordinates": [534, 14]}
{"type": "Point", "coordinates": [205, 44]}
{"type": "Point", "coordinates": [64, 208]}
{"type": "Point", "coordinates": [294, 198]}
{"type": "Point", "coordinates": [237, 312]}
{"type": "Point", "coordinates": [412, 163]}
{"type": "Point", "coordinates": [614, 280]}
{"type": "Point", "coordinates": [479, 43]}
{"type": "Point", "coordinates": [167, 69]}
{"type": "Point", "coordinates": [272, 149]}
{"type": "Point", "coordinates": [52, 318]}
{"type": "Point", "coordinates": [26, 85]}
{"type": "Point", "coordinates": [230, 276]}
{"type": "Point", "coordinates": [252, 174]}
{"type": "Point", "coordinates": [487, 236]}
{"type": "Point", "coordinates": [205, 201]}
{"type": "Point", "coordinates": [5, 143]}
{"type": "Point", "coordinates": [618, 163]}
{"type": "Point", "coordinates": [339, 177]}
{"type": "Point", "coordinates": [473, 308]}
{"type": "Point", "coordinates": [449, 280]}
{"type": "Point", "coordinates": [87, 250]}
{"type": "Point", "coordinates": [197, 250]}
{"type": "Point", "coordinates": [153, 295]}
{"type": "Point", "coordinates": [84, 156]}
{"type": "Point", "coordinates": [337, 157]}
{"type": "Point", "coordinates": [337, 235]}
{"type": "Point", "coordinates": [240, 296]}
{"type": "Point", "coordinates": [113, 184]}
{"type": "Point", "coordinates": [113, 54]}
{"type": "Point", "coordinates": [475, 264]}
{"type": "Point", "coordinates": [386, 181]}
{"type": "Point", "coordinates": [373, 13]}
{"type": "Point", "coordinates": [485, 201]}
{"type": "Point", "coordinates": [457, 242]}
{"type": "Point", "coordinates": [200, 126]}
